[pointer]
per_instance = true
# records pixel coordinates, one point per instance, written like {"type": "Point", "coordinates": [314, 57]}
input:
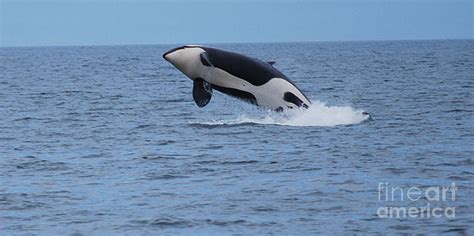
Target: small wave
{"type": "Point", "coordinates": [158, 176]}
{"type": "Point", "coordinates": [225, 123]}
{"type": "Point", "coordinates": [318, 114]}
{"type": "Point", "coordinates": [34, 163]}
{"type": "Point", "coordinates": [170, 222]}
{"type": "Point", "coordinates": [225, 222]}
{"type": "Point", "coordinates": [244, 162]}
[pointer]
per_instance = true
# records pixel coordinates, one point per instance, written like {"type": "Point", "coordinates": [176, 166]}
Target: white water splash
{"type": "Point", "coordinates": [318, 114]}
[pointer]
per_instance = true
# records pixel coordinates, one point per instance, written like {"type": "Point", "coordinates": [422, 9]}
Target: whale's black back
{"type": "Point", "coordinates": [250, 69]}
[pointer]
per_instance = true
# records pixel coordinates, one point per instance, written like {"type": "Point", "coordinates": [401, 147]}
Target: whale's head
{"type": "Point", "coordinates": [187, 59]}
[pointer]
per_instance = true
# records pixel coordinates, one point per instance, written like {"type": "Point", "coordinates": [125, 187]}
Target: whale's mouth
{"type": "Point", "coordinates": [171, 51]}
{"type": "Point", "coordinates": [177, 49]}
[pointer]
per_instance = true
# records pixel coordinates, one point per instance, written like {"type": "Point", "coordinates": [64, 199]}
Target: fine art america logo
{"type": "Point", "coordinates": [416, 202]}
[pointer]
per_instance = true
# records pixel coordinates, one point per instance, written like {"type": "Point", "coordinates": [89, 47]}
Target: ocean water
{"type": "Point", "coordinates": [107, 139]}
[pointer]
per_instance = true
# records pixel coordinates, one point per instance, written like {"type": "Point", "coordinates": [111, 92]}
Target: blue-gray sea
{"type": "Point", "coordinates": [107, 140]}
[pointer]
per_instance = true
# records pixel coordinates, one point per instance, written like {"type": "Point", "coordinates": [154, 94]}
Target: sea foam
{"type": "Point", "coordinates": [318, 114]}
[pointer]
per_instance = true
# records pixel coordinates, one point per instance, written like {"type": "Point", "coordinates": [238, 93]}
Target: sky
{"type": "Point", "coordinates": [109, 22]}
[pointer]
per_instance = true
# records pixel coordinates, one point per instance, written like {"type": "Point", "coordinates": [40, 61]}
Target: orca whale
{"type": "Point", "coordinates": [246, 78]}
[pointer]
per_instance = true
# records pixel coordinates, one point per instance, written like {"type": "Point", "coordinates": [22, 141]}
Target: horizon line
{"type": "Point", "coordinates": [207, 43]}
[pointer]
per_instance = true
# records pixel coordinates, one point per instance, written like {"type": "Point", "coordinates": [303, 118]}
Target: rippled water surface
{"type": "Point", "coordinates": [108, 140]}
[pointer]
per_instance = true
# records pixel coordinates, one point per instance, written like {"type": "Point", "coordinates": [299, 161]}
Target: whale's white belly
{"type": "Point", "coordinates": [268, 95]}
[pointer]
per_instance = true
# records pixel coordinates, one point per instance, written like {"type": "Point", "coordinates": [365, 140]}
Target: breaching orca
{"type": "Point", "coordinates": [237, 75]}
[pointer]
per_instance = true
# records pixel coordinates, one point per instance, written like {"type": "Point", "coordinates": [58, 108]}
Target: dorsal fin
{"type": "Point", "coordinates": [271, 62]}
